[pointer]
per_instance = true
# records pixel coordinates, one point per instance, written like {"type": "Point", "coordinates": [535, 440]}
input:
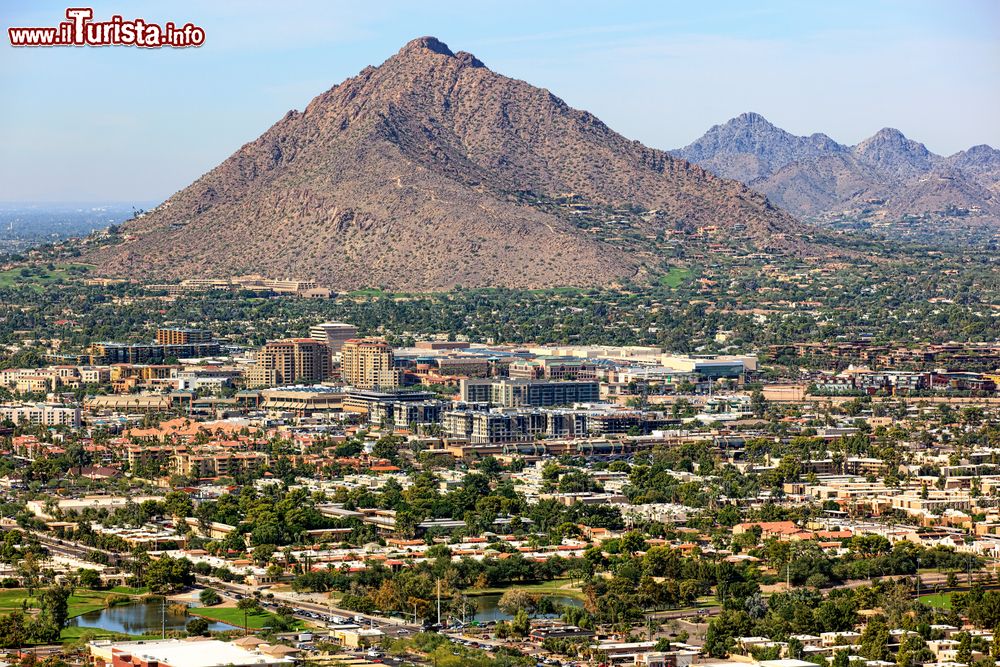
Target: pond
{"type": "Point", "coordinates": [486, 607]}
{"type": "Point", "coordinates": [138, 618]}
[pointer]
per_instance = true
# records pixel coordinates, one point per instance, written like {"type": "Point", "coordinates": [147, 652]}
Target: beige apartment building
{"type": "Point", "coordinates": [291, 361]}
{"type": "Point", "coordinates": [200, 464]}
{"type": "Point", "coordinates": [182, 336]}
{"type": "Point", "coordinates": [367, 363]}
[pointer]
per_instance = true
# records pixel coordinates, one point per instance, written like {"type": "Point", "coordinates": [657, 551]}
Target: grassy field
{"type": "Point", "coordinates": [37, 277]}
{"type": "Point", "coordinates": [12, 598]}
{"type": "Point", "coordinates": [367, 292]}
{"type": "Point", "coordinates": [82, 601]}
{"type": "Point", "coordinates": [938, 600]}
{"type": "Point", "coordinates": [234, 616]}
{"type": "Point", "coordinates": [554, 587]}
{"type": "Point", "coordinates": [676, 277]}
{"type": "Point", "coordinates": [129, 590]}
{"type": "Point", "coordinates": [74, 633]}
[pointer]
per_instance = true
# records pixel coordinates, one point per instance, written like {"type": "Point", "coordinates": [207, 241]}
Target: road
{"type": "Point", "coordinates": [388, 625]}
{"type": "Point", "coordinates": [67, 547]}
{"type": "Point", "coordinates": [930, 582]}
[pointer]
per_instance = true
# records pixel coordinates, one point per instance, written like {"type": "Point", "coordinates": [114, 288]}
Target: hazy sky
{"type": "Point", "coordinates": [129, 124]}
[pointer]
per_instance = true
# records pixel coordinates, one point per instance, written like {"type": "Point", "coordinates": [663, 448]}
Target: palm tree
{"type": "Point", "coordinates": [247, 605]}
{"type": "Point", "coordinates": [651, 627]}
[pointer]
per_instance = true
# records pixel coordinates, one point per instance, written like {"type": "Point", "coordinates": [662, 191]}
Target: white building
{"type": "Point", "coordinates": [45, 414]}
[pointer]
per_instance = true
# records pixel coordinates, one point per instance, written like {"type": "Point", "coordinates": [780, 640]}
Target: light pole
{"type": "Point", "coordinates": [918, 578]}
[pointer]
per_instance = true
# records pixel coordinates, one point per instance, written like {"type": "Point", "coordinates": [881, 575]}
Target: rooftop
{"type": "Point", "coordinates": [206, 653]}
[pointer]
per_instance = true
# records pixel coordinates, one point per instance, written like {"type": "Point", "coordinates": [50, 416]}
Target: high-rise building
{"type": "Point", "coordinates": [334, 334]}
{"type": "Point", "coordinates": [295, 361]}
{"type": "Point", "coordinates": [367, 363]}
{"type": "Point", "coordinates": [180, 336]}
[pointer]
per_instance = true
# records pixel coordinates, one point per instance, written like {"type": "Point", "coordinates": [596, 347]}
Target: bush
{"type": "Point", "coordinates": [114, 599]}
{"type": "Point", "coordinates": [197, 627]}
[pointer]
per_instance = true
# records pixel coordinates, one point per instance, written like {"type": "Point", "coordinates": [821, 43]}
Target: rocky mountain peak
{"type": "Point", "coordinates": [889, 151]}
{"type": "Point", "coordinates": [431, 170]}
{"type": "Point", "coordinates": [815, 176]}
{"type": "Point", "coordinates": [432, 44]}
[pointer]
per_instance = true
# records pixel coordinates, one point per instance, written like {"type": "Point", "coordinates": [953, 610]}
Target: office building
{"type": "Point", "coordinates": [334, 334]}
{"type": "Point", "coordinates": [512, 393]}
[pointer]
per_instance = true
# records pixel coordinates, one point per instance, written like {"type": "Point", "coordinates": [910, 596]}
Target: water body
{"type": "Point", "coordinates": [486, 607]}
{"type": "Point", "coordinates": [138, 618]}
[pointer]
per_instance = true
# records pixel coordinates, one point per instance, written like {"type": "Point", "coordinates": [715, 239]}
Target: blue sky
{"type": "Point", "coordinates": [128, 124]}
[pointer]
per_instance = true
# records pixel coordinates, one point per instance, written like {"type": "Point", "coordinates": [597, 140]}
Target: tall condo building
{"type": "Point", "coordinates": [295, 361]}
{"type": "Point", "coordinates": [367, 363]}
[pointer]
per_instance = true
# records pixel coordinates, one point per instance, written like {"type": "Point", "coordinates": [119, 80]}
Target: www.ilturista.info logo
{"type": "Point", "coordinates": [80, 30]}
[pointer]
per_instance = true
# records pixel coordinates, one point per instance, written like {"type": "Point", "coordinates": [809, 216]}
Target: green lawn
{"type": "Point", "coordinates": [37, 277]}
{"type": "Point", "coordinates": [676, 277]}
{"type": "Point", "coordinates": [11, 599]}
{"type": "Point", "coordinates": [234, 616]}
{"type": "Point", "coordinates": [367, 291]}
{"type": "Point", "coordinates": [75, 633]}
{"type": "Point", "coordinates": [938, 600]}
{"type": "Point", "coordinates": [129, 590]}
{"type": "Point", "coordinates": [82, 600]}
{"type": "Point", "coordinates": [553, 587]}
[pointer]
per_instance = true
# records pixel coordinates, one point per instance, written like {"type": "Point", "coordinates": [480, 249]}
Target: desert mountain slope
{"type": "Point", "coordinates": [427, 172]}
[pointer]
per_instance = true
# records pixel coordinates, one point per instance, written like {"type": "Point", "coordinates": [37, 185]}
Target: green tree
{"type": "Point", "coordinates": [520, 625]}
{"type": "Point", "coordinates": [178, 503]}
{"type": "Point", "coordinates": [209, 597]}
{"type": "Point", "coordinates": [795, 648]}
{"type": "Point", "coordinates": [14, 629]}
{"type": "Point", "coordinates": [964, 652]}
{"type": "Point", "coordinates": [89, 578]}
{"type": "Point", "coordinates": [875, 639]}
{"type": "Point", "coordinates": [54, 604]}
{"type": "Point", "coordinates": [758, 404]}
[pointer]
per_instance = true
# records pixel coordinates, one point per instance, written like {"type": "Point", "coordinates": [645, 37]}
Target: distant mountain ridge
{"type": "Point", "coordinates": [884, 178]}
{"type": "Point", "coordinates": [431, 171]}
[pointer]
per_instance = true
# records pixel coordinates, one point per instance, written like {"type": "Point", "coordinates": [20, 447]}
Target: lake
{"type": "Point", "coordinates": [486, 606]}
{"type": "Point", "coordinates": [138, 618]}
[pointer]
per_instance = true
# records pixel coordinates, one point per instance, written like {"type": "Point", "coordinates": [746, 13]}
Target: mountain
{"type": "Point", "coordinates": [982, 161]}
{"type": "Point", "coordinates": [884, 179]}
{"type": "Point", "coordinates": [749, 147]}
{"type": "Point", "coordinates": [431, 171]}
{"type": "Point", "coordinates": [893, 156]}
